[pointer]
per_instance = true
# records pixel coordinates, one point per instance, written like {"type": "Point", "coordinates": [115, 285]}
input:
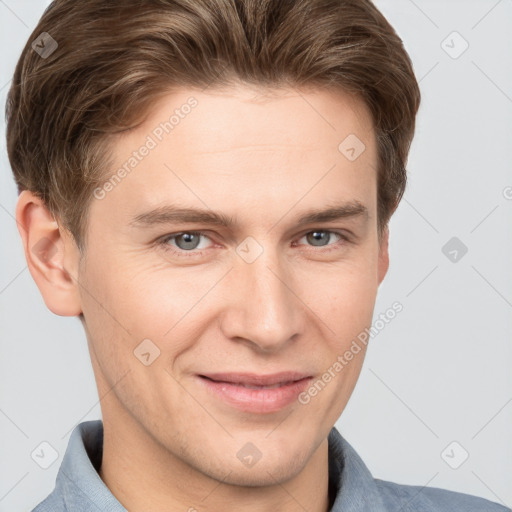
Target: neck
{"type": "Point", "coordinates": [148, 477]}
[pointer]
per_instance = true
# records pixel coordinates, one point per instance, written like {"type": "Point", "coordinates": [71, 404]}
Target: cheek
{"type": "Point", "coordinates": [342, 295]}
{"type": "Point", "coordinates": [170, 307]}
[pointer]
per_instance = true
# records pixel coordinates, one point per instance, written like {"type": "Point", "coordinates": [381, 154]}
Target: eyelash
{"type": "Point", "coordinates": [195, 253]}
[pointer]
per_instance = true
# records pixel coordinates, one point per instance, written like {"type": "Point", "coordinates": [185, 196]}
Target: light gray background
{"type": "Point", "coordinates": [439, 372]}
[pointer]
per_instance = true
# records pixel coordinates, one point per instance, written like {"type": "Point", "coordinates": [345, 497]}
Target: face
{"type": "Point", "coordinates": [187, 314]}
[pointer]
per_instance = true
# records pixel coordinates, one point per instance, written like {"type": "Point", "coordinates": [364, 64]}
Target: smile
{"type": "Point", "coordinates": [256, 393]}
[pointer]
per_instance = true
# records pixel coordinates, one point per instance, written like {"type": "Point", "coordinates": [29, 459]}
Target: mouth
{"type": "Point", "coordinates": [255, 381]}
{"type": "Point", "coordinates": [256, 393]}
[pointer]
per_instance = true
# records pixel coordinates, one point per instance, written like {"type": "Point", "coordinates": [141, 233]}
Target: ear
{"type": "Point", "coordinates": [383, 263]}
{"type": "Point", "coordinates": [51, 253]}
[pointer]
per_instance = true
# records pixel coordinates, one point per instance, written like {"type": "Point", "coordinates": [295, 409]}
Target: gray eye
{"type": "Point", "coordinates": [319, 238]}
{"type": "Point", "coordinates": [187, 240]}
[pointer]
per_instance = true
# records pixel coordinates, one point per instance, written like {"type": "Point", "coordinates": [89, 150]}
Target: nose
{"type": "Point", "coordinates": [263, 308]}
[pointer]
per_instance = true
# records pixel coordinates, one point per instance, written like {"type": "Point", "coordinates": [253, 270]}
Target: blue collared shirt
{"type": "Point", "coordinates": [79, 488]}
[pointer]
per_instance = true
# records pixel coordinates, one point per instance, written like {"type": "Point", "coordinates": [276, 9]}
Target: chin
{"type": "Point", "coordinates": [272, 468]}
{"type": "Point", "coordinates": [263, 474]}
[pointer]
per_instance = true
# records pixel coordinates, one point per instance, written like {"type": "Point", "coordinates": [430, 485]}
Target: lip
{"type": "Point", "coordinates": [246, 391]}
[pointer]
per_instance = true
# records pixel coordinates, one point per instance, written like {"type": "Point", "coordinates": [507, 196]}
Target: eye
{"type": "Point", "coordinates": [321, 238]}
{"type": "Point", "coordinates": [185, 242]}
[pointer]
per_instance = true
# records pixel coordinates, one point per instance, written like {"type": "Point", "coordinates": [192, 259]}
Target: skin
{"type": "Point", "coordinates": [168, 444]}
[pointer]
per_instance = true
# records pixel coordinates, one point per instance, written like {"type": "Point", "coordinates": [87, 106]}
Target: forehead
{"type": "Point", "coordinates": [234, 116]}
{"type": "Point", "coordinates": [271, 147]}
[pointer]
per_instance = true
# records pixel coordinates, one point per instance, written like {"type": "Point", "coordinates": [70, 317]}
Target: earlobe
{"type": "Point", "coordinates": [383, 255]}
{"type": "Point", "coordinates": [52, 256]}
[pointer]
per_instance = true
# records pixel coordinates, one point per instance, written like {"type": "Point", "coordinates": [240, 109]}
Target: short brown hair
{"type": "Point", "coordinates": [115, 58]}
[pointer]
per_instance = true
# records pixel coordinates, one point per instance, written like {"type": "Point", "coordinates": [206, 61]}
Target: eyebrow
{"type": "Point", "coordinates": [169, 214]}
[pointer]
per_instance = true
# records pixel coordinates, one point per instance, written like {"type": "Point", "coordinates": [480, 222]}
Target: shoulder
{"type": "Point", "coordinates": [412, 498]}
{"type": "Point", "coordinates": [52, 503]}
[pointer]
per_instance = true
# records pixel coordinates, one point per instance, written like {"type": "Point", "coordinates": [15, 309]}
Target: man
{"type": "Point", "coordinates": [207, 185]}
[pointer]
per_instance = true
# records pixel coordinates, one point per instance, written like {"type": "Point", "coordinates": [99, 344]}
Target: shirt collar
{"type": "Point", "coordinates": [78, 481]}
{"type": "Point", "coordinates": [355, 488]}
{"type": "Point", "coordinates": [81, 488]}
